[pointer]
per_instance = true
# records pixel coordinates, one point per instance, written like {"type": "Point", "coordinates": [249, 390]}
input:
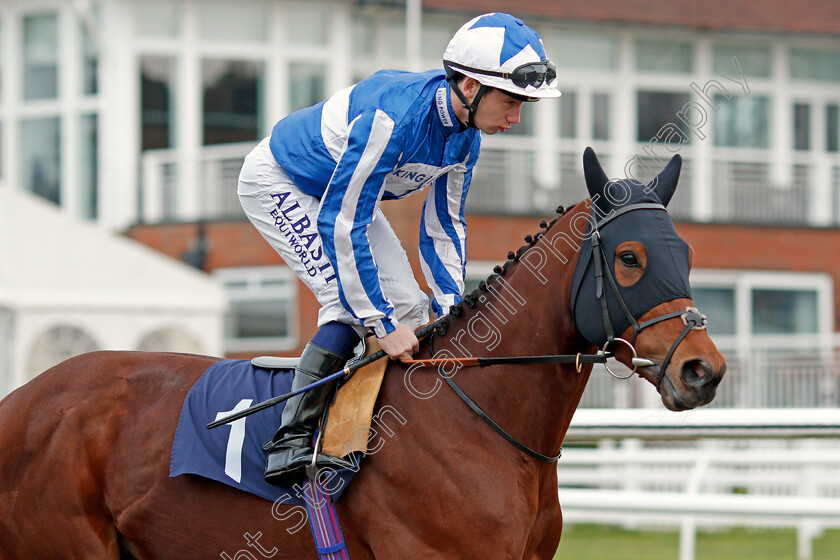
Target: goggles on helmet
{"type": "Point", "coordinates": [531, 74]}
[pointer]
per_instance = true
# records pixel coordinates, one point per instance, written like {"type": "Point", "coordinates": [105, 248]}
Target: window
{"type": "Point", "coordinates": [40, 57]}
{"type": "Point", "coordinates": [306, 85]}
{"type": "Point", "coordinates": [582, 51]}
{"type": "Point", "coordinates": [663, 56]}
{"type": "Point", "coordinates": [392, 34]}
{"type": "Point", "coordinates": [601, 116]}
{"type": "Point", "coordinates": [784, 311]}
{"type": "Point", "coordinates": [742, 122]}
{"type": "Point", "coordinates": [364, 37]}
{"type": "Point", "coordinates": [772, 309]}
{"type": "Point", "coordinates": [801, 126]}
{"type": "Point", "coordinates": [157, 102]}
{"type": "Point", "coordinates": [754, 60]}
{"type": "Point", "coordinates": [40, 149]}
{"type": "Point", "coordinates": [435, 38]}
{"type": "Point", "coordinates": [832, 130]}
{"type": "Point", "coordinates": [718, 304]}
{"type": "Point", "coordinates": [262, 314]}
{"type": "Point", "coordinates": [2, 69]}
{"type": "Point", "coordinates": [568, 112]}
{"type": "Point", "coordinates": [157, 18]}
{"type": "Point", "coordinates": [233, 101]}
{"type": "Point", "coordinates": [307, 24]}
{"type": "Point", "coordinates": [822, 65]}
{"type": "Point", "coordinates": [90, 62]}
{"type": "Point", "coordinates": [233, 21]}
{"type": "Point", "coordinates": [656, 109]}
{"type": "Point", "coordinates": [88, 166]}
{"type": "Point", "coordinates": [569, 108]}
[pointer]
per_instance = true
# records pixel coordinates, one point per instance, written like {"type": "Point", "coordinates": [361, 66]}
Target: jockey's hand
{"type": "Point", "coordinates": [400, 343]}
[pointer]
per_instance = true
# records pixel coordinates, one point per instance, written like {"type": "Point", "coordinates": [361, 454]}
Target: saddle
{"type": "Point", "coordinates": [350, 415]}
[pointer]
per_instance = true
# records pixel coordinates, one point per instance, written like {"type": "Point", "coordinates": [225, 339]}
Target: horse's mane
{"type": "Point", "coordinates": [472, 300]}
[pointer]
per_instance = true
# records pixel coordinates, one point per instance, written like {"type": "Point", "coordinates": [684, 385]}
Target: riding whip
{"type": "Point", "coordinates": [348, 370]}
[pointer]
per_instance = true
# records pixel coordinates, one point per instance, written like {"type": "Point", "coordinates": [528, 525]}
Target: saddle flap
{"type": "Point", "coordinates": [275, 362]}
{"type": "Point", "coordinates": [349, 418]}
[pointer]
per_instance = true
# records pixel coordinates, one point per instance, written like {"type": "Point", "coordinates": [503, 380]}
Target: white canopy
{"type": "Point", "coordinates": [100, 290]}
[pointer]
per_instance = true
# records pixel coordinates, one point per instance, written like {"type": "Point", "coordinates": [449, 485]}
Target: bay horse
{"type": "Point", "coordinates": [85, 446]}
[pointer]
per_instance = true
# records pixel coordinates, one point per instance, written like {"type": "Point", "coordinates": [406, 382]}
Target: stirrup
{"type": "Point", "coordinates": [275, 362]}
{"type": "Point", "coordinates": [283, 362]}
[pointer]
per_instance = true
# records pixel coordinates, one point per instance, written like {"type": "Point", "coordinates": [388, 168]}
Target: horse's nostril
{"type": "Point", "coordinates": [696, 373]}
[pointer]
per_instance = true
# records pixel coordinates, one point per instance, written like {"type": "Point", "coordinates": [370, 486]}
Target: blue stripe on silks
{"type": "Point", "coordinates": [330, 207]}
{"type": "Point", "coordinates": [443, 279]}
{"type": "Point", "coordinates": [335, 199]}
{"type": "Point", "coordinates": [443, 215]}
{"type": "Point", "coordinates": [465, 190]}
{"type": "Point", "coordinates": [365, 211]}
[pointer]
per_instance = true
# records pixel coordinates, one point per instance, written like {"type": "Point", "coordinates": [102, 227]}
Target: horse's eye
{"type": "Point", "coordinates": [629, 259]}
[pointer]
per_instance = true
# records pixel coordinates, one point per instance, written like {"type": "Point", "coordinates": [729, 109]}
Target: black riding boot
{"type": "Point", "coordinates": [290, 450]}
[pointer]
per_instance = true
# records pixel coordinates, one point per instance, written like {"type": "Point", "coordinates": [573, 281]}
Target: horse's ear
{"type": "Point", "coordinates": [665, 183]}
{"type": "Point", "coordinates": [596, 179]}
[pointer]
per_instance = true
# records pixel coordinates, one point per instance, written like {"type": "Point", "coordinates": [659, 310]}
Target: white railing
{"type": "Point", "coordinates": [179, 186]}
{"type": "Point", "coordinates": [518, 176]}
{"type": "Point", "coordinates": [705, 468]}
{"type": "Point", "coordinates": [758, 378]}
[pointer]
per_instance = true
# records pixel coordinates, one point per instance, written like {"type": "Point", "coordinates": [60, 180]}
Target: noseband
{"type": "Point", "coordinates": [691, 317]}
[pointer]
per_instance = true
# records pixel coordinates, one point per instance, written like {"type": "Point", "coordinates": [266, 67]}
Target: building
{"type": "Point", "coordinates": [136, 115]}
{"type": "Point", "coordinates": [67, 287]}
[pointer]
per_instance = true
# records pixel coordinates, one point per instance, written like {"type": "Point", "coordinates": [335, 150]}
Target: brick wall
{"type": "Point", "coordinates": [813, 17]}
{"type": "Point", "coordinates": [232, 244]}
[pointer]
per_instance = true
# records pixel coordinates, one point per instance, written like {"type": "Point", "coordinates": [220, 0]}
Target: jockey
{"type": "Point", "coordinates": [313, 188]}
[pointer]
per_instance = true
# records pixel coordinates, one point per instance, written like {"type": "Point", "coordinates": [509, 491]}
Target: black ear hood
{"type": "Point", "coordinates": [626, 210]}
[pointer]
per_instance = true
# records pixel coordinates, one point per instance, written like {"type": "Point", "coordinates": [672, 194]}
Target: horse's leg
{"type": "Point", "coordinates": [549, 522]}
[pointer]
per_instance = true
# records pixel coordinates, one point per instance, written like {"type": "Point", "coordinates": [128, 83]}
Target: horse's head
{"type": "Point", "coordinates": [631, 292]}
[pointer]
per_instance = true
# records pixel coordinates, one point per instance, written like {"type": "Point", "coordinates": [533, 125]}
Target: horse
{"type": "Point", "coordinates": [85, 446]}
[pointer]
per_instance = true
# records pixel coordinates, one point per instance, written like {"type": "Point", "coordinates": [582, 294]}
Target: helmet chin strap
{"type": "Point", "coordinates": [470, 107]}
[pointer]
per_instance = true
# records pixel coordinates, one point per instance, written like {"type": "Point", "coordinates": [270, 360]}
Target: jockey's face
{"type": "Point", "coordinates": [497, 111]}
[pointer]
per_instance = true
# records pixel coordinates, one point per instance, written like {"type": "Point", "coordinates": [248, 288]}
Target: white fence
{"type": "Point", "coordinates": [521, 175]}
{"type": "Point", "coordinates": [709, 468]}
{"type": "Point", "coordinates": [756, 378]}
{"type": "Point", "coordinates": [179, 186]}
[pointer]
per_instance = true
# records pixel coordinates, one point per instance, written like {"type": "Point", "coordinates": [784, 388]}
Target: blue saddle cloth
{"type": "Point", "coordinates": [233, 453]}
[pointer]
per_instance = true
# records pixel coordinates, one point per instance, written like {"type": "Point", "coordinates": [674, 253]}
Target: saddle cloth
{"type": "Point", "coordinates": [233, 454]}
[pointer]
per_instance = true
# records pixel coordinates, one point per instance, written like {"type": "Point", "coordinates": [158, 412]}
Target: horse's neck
{"type": "Point", "coordinates": [525, 312]}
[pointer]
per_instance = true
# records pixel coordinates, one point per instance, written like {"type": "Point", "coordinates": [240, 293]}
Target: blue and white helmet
{"type": "Point", "coordinates": [500, 51]}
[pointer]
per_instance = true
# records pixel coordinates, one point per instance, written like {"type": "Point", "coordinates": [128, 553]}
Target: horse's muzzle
{"type": "Point", "coordinates": [697, 386]}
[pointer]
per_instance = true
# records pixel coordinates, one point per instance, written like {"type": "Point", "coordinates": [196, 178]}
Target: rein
{"type": "Point", "coordinates": [692, 318]}
{"type": "Point", "coordinates": [577, 359]}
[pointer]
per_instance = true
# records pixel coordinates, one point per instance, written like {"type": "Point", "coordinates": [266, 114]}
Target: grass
{"type": "Point", "coordinates": [597, 542]}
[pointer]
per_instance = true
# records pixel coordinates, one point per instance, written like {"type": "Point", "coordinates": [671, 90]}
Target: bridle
{"type": "Point", "coordinates": [692, 318]}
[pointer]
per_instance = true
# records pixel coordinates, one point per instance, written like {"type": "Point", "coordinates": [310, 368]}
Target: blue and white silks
{"type": "Point", "coordinates": [386, 137]}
